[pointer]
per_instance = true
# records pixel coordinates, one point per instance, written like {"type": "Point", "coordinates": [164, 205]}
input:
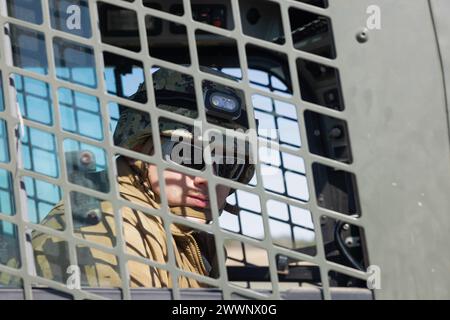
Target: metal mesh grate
{"type": "Point", "coordinates": [63, 91]}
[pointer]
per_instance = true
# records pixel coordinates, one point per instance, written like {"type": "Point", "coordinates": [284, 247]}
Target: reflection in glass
{"type": "Point", "coordinates": [97, 268]}
{"type": "Point", "coordinates": [158, 47]}
{"type": "Point", "coordinates": [80, 113]}
{"type": "Point", "coordinates": [10, 281]}
{"type": "Point", "coordinates": [2, 102]}
{"type": "Point", "coordinates": [42, 196]}
{"type": "Point", "coordinates": [7, 206]}
{"type": "Point", "coordinates": [86, 165]}
{"type": "Point", "coordinates": [64, 15]}
{"type": "Point", "coordinates": [51, 256]}
{"type": "Point", "coordinates": [9, 245]}
{"type": "Point", "coordinates": [34, 99]}
{"type": "Point", "coordinates": [27, 10]}
{"type": "Point", "coordinates": [114, 110]}
{"type": "Point", "coordinates": [39, 152]}
{"type": "Point", "coordinates": [116, 24]}
{"type": "Point", "coordinates": [88, 211]}
{"type": "Point", "coordinates": [74, 62]}
{"type": "Point", "coordinates": [4, 149]}
{"type": "Point", "coordinates": [28, 48]}
{"type": "Point", "coordinates": [123, 75]}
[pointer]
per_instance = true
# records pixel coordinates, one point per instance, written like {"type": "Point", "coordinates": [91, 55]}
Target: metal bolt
{"type": "Point", "coordinates": [346, 226]}
{"type": "Point", "coordinates": [363, 36]}
{"type": "Point", "coordinates": [349, 241]}
{"type": "Point", "coordinates": [335, 133]}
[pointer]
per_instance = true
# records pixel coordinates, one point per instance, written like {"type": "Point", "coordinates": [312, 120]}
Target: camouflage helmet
{"type": "Point", "coordinates": [174, 92]}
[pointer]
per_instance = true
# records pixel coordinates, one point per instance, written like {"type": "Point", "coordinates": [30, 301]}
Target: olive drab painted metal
{"type": "Point", "coordinates": [390, 99]}
{"type": "Point", "coordinates": [397, 112]}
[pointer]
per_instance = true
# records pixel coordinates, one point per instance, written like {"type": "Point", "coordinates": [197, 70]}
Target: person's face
{"type": "Point", "coordinates": [184, 190]}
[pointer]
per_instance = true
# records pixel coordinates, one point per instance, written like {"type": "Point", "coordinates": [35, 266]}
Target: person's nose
{"type": "Point", "coordinates": [200, 182]}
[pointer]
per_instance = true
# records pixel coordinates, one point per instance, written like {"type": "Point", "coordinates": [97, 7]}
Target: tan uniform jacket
{"type": "Point", "coordinates": [144, 236]}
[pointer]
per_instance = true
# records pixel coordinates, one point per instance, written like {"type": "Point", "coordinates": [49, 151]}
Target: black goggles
{"type": "Point", "coordinates": [190, 155]}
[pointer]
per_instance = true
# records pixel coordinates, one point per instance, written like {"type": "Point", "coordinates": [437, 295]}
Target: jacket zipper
{"type": "Point", "coordinates": [199, 253]}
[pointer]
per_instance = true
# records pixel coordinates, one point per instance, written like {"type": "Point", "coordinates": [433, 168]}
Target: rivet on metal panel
{"type": "Point", "coordinates": [363, 36]}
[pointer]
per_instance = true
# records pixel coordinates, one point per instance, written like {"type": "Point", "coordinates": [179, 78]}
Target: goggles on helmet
{"type": "Point", "coordinates": [189, 155]}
